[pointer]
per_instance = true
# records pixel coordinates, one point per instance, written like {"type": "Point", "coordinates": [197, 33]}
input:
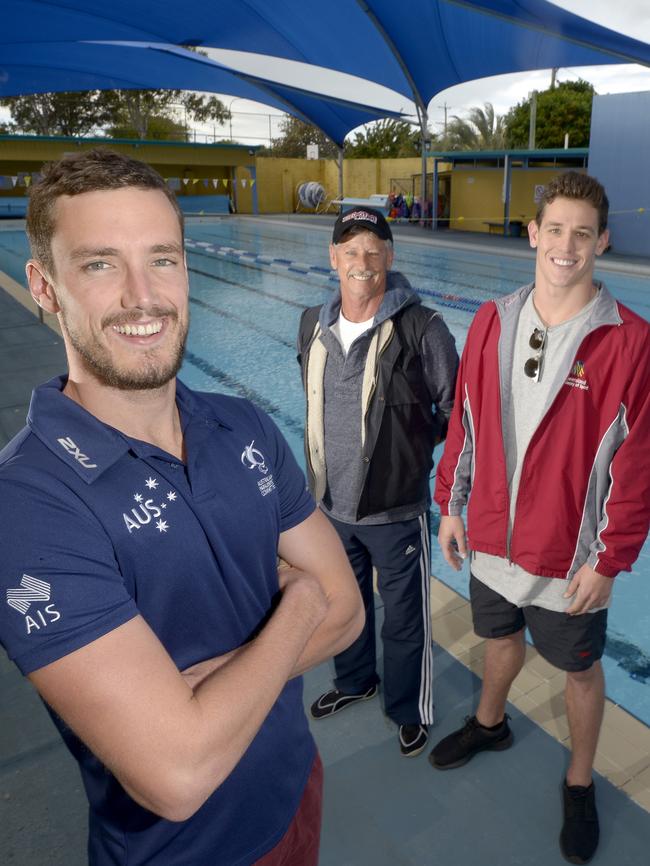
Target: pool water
{"type": "Point", "coordinates": [250, 280]}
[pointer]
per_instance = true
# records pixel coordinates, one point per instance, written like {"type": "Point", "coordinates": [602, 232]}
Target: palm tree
{"type": "Point", "coordinates": [483, 129]}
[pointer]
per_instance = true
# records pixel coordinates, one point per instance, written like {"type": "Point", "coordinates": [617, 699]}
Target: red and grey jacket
{"type": "Point", "coordinates": [584, 494]}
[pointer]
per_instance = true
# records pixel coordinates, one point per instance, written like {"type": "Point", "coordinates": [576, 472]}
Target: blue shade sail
{"type": "Point", "coordinates": [416, 48]}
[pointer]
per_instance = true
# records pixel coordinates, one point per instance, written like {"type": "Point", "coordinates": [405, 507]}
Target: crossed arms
{"type": "Point", "coordinates": [170, 739]}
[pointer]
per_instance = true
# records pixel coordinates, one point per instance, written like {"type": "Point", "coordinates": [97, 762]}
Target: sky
{"type": "Point", "coordinates": [251, 120]}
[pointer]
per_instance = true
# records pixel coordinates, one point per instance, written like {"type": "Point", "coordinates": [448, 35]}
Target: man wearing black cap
{"type": "Point", "coordinates": [379, 371]}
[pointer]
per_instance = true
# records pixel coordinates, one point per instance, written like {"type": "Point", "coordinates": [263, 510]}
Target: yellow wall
{"type": "Point", "coordinates": [400, 168]}
{"type": "Point", "coordinates": [475, 191]}
{"type": "Point", "coordinates": [475, 198]}
{"type": "Point", "coordinates": [476, 195]}
{"type": "Point", "coordinates": [191, 162]}
{"type": "Point", "coordinates": [362, 177]}
{"type": "Point", "coordinates": [278, 179]}
{"type": "Point", "coordinates": [243, 192]}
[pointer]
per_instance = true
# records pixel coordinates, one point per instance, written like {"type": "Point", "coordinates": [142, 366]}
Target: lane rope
{"type": "Point", "coordinates": [277, 263]}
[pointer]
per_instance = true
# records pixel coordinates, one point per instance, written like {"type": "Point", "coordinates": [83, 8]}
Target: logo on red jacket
{"type": "Point", "coordinates": [577, 377]}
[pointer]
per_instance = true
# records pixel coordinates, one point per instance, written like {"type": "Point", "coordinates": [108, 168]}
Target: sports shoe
{"type": "Point", "coordinates": [580, 831]}
{"type": "Point", "coordinates": [412, 739]}
{"type": "Point", "coordinates": [334, 701]}
{"type": "Point", "coordinates": [456, 749]}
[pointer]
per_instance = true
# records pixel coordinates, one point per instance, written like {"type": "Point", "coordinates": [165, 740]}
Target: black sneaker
{"type": "Point", "coordinates": [456, 749]}
{"type": "Point", "coordinates": [335, 701]}
{"type": "Point", "coordinates": [580, 831]}
{"type": "Point", "coordinates": [412, 739]}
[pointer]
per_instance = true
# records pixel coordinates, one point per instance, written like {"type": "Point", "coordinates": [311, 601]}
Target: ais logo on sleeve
{"type": "Point", "coordinates": [29, 600]}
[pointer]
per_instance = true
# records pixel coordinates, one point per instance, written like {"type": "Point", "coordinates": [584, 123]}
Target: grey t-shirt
{"type": "Point", "coordinates": [529, 398]}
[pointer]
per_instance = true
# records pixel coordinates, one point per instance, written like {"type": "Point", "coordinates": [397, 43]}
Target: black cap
{"type": "Point", "coordinates": [367, 218]}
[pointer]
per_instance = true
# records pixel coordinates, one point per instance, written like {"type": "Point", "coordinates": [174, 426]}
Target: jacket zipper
{"type": "Point", "coordinates": [523, 463]}
{"type": "Point", "coordinates": [374, 384]}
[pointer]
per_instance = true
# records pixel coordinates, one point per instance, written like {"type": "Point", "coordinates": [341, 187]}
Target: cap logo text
{"type": "Point", "coordinates": [359, 215]}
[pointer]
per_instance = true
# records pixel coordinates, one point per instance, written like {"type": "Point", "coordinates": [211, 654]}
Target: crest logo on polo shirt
{"type": "Point", "coordinates": [150, 507]}
{"type": "Point", "coordinates": [252, 458]}
{"type": "Point", "coordinates": [27, 598]}
{"type": "Point", "coordinates": [577, 377]}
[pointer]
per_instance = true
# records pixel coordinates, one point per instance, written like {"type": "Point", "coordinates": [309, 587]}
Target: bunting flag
{"type": "Point", "coordinates": [252, 183]}
{"type": "Point", "coordinates": [26, 180]}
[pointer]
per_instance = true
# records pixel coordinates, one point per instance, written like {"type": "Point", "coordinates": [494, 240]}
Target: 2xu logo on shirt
{"type": "Point", "coordinates": [72, 448]}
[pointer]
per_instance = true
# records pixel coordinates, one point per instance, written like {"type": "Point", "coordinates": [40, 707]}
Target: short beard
{"type": "Point", "coordinates": [150, 376]}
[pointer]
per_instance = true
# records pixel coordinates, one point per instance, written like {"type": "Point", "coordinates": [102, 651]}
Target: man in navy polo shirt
{"type": "Point", "coordinates": [143, 598]}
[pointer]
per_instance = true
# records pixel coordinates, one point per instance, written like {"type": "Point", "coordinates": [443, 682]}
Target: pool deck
{"type": "Point", "coordinates": [380, 809]}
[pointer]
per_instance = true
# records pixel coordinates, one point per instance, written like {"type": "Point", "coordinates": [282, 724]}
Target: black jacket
{"type": "Point", "coordinates": [402, 425]}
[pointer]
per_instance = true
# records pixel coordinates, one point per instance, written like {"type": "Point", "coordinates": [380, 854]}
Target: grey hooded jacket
{"type": "Point", "coordinates": [375, 415]}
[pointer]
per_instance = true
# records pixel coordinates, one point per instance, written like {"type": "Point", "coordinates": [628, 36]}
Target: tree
{"type": "Point", "coordinates": [294, 137]}
{"type": "Point", "coordinates": [560, 109]}
{"type": "Point", "coordinates": [483, 129]}
{"type": "Point", "coordinates": [57, 113]}
{"type": "Point", "coordinates": [384, 139]}
{"type": "Point", "coordinates": [158, 128]}
{"type": "Point", "coordinates": [123, 113]}
{"type": "Point", "coordinates": [137, 113]}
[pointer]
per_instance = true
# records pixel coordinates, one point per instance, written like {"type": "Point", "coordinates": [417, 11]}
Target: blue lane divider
{"type": "Point", "coordinates": [445, 299]}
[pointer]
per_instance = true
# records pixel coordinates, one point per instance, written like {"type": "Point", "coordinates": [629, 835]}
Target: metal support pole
{"type": "Point", "coordinates": [233, 186]}
{"type": "Point", "coordinates": [424, 121]}
{"type": "Point", "coordinates": [253, 173]}
{"type": "Point", "coordinates": [234, 99]}
{"type": "Point", "coordinates": [533, 120]}
{"type": "Point", "coordinates": [434, 212]}
{"type": "Point", "coordinates": [506, 194]}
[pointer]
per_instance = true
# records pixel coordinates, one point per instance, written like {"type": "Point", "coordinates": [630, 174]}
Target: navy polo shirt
{"type": "Point", "coordinates": [103, 528]}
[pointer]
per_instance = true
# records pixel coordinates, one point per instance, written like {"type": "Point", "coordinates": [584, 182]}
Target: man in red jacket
{"type": "Point", "coordinates": [550, 432]}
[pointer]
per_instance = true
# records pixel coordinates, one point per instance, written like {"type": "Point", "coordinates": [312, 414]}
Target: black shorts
{"type": "Point", "coordinates": [570, 643]}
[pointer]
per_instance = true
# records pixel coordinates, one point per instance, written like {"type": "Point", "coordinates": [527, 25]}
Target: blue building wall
{"type": "Point", "coordinates": [619, 156]}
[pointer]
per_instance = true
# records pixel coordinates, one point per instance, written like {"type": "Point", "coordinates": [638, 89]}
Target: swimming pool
{"type": "Point", "coordinates": [250, 279]}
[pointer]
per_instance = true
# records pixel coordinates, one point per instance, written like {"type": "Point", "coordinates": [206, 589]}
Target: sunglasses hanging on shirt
{"type": "Point", "coordinates": [533, 366]}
